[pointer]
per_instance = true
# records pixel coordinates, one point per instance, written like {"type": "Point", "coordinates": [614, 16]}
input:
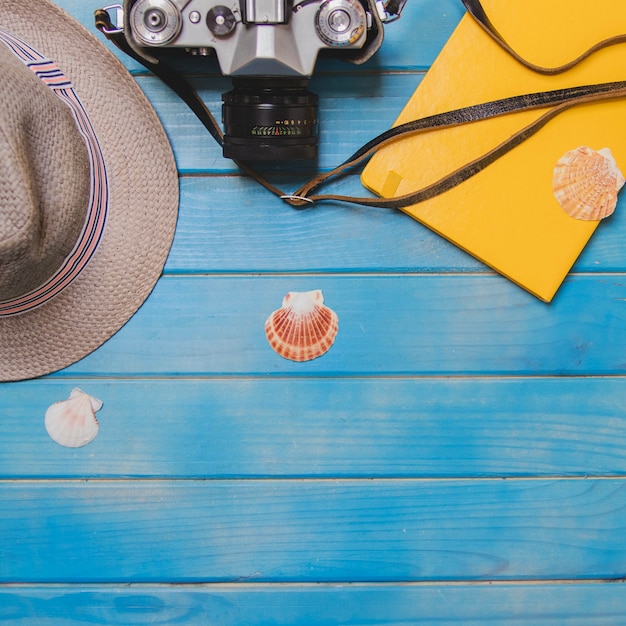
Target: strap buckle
{"type": "Point", "coordinates": [296, 198]}
{"type": "Point", "coordinates": [389, 10]}
{"type": "Point", "coordinates": [115, 13]}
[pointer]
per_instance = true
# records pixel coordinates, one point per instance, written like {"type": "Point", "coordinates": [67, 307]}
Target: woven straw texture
{"type": "Point", "coordinates": [44, 179]}
{"type": "Point", "coordinates": [143, 201]}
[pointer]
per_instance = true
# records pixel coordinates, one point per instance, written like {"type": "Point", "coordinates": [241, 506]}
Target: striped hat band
{"type": "Point", "coordinates": [91, 210]}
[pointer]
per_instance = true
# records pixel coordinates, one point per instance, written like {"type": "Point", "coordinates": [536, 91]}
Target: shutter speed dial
{"type": "Point", "coordinates": [155, 22]}
{"type": "Point", "coordinates": [340, 22]}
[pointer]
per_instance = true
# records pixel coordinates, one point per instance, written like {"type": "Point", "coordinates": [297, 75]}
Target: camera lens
{"type": "Point", "coordinates": [270, 119]}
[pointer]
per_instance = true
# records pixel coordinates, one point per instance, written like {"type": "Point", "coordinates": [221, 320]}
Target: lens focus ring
{"type": "Point", "coordinates": [155, 22]}
{"type": "Point", "coordinates": [340, 22]}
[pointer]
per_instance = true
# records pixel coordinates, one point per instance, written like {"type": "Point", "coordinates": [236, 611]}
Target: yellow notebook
{"type": "Point", "coordinates": [507, 215]}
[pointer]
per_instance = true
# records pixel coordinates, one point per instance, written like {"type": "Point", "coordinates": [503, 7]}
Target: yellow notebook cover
{"type": "Point", "coordinates": [507, 215]}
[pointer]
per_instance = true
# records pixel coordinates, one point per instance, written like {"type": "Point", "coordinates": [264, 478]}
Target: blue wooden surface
{"type": "Point", "coordinates": [458, 457]}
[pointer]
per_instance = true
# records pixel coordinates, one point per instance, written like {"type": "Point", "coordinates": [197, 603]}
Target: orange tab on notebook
{"type": "Point", "coordinates": [507, 215]}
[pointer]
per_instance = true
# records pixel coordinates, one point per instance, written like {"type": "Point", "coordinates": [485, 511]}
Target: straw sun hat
{"type": "Point", "coordinates": [88, 192]}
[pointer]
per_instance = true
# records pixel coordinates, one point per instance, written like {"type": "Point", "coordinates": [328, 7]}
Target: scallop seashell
{"type": "Point", "coordinates": [586, 183]}
{"type": "Point", "coordinates": [303, 328]}
{"type": "Point", "coordinates": [72, 423]}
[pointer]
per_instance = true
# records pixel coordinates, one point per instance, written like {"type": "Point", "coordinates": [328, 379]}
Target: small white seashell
{"type": "Point", "coordinates": [586, 183]}
{"type": "Point", "coordinates": [72, 423]}
{"type": "Point", "coordinates": [303, 328]}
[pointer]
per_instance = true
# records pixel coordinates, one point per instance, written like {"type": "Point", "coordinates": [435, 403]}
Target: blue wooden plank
{"type": "Point", "coordinates": [283, 443]}
{"type": "Point", "coordinates": [388, 325]}
{"type": "Point", "coordinates": [319, 605]}
{"type": "Point", "coordinates": [231, 224]}
{"type": "Point", "coordinates": [379, 99]}
{"type": "Point", "coordinates": [358, 428]}
{"type": "Point", "coordinates": [311, 531]}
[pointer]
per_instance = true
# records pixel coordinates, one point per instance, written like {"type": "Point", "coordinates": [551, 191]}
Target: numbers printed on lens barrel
{"type": "Point", "coordinates": [276, 131]}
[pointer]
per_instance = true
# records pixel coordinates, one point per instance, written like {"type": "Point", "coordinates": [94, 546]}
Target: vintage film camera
{"type": "Point", "coordinates": [269, 48]}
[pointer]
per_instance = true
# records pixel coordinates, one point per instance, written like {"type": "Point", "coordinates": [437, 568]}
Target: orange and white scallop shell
{"type": "Point", "coordinates": [72, 423]}
{"type": "Point", "coordinates": [586, 183]}
{"type": "Point", "coordinates": [303, 328]}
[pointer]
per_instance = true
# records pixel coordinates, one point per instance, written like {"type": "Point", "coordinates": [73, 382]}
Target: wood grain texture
{"type": "Point", "coordinates": [317, 605]}
{"type": "Point", "coordinates": [388, 325]}
{"type": "Point", "coordinates": [312, 531]}
{"type": "Point", "coordinates": [325, 428]}
{"type": "Point", "coordinates": [382, 97]}
{"type": "Point", "coordinates": [457, 458]}
{"type": "Point", "coordinates": [229, 224]}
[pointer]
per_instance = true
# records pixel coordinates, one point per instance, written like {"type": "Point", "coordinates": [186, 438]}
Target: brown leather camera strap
{"type": "Point", "coordinates": [554, 101]}
{"type": "Point", "coordinates": [476, 10]}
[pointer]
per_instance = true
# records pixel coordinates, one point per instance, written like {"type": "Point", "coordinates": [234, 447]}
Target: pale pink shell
{"type": "Point", "coordinates": [586, 183]}
{"type": "Point", "coordinates": [303, 328]}
{"type": "Point", "coordinates": [72, 423]}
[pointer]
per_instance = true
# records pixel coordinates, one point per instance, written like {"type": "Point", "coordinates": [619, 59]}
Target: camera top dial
{"type": "Point", "coordinates": [220, 20]}
{"type": "Point", "coordinates": [340, 22]}
{"type": "Point", "coordinates": [155, 22]}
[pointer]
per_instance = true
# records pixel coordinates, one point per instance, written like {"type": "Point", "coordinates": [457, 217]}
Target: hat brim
{"type": "Point", "coordinates": [143, 201]}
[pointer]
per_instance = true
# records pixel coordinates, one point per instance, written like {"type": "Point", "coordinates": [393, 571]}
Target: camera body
{"type": "Point", "coordinates": [252, 37]}
{"type": "Point", "coordinates": [269, 48]}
